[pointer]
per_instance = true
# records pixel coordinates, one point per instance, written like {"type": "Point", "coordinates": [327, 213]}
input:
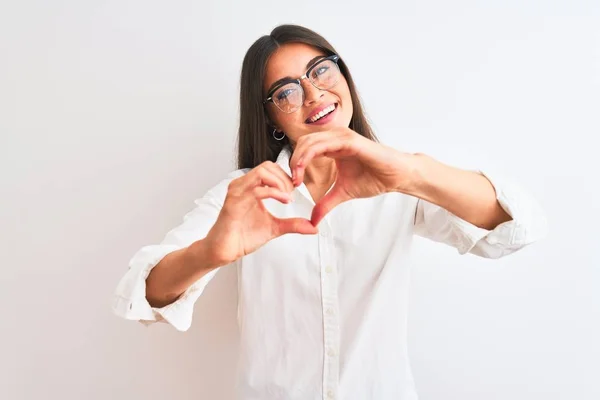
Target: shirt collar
{"type": "Point", "coordinates": [283, 160]}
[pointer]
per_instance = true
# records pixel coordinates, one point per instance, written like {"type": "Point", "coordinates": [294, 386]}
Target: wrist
{"type": "Point", "coordinates": [203, 255]}
{"type": "Point", "coordinates": [414, 182]}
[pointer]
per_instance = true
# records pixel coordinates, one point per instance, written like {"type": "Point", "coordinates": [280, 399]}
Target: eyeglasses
{"type": "Point", "coordinates": [288, 95]}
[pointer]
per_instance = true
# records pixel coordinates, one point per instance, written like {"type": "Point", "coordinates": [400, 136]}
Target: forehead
{"type": "Point", "coordinates": [289, 60]}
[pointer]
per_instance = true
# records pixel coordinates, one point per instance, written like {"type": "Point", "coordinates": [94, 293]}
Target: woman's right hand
{"type": "Point", "coordinates": [244, 224]}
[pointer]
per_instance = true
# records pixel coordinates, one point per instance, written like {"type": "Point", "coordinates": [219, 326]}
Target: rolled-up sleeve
{"type": "Point", "coordinates": [528, 223]}
{"type": "Point", "coordinates": [130, 300]}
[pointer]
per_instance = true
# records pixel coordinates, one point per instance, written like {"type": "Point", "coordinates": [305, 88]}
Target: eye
{"type": "Point", "coordinates": [320, 70]}
{"type": "Point", "coordinates": [285, 93]}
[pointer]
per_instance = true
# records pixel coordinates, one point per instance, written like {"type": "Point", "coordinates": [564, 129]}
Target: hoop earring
{"type": "Point", "coordinates": [278, 137]}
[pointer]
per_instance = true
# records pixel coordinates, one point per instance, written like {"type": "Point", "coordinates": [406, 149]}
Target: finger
{"type": "Point", "coordinates": [295, 225]}
{"type": "Point", "coordinates": [332, 199]}
{"type": "Point", "coordinates": [261, 176]}
{"type": "Point", "coordinates": [326, 147]}
{"type": "Point", "coordinates": [303, 143]}
{"type": "Point", "coordinates": [265, 192]}
{"type": "Point", "coordinates": [282, 175]}
{"type": "Point", "coordinates": [270, 178]}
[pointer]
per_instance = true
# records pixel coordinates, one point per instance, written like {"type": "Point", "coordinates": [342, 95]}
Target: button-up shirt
{"type": "Point", "coordinates": [325, 316]}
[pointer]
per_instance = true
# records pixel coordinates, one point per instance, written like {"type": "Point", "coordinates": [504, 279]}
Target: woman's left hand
{"type": "Point", "coordinates": [364, 168]}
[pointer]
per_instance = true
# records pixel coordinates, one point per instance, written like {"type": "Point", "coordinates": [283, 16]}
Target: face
{"type": "Point", "coordinates": [293, 60]}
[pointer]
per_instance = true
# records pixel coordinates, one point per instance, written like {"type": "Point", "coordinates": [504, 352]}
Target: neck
{"type": "Point", "coordinates": [321, 171]}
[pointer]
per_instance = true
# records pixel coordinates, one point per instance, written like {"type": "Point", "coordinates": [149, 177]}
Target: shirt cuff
{"type": "Point", "coordinates": [130, 300]}
{"type": "Point", "coordinates": [528, 222]}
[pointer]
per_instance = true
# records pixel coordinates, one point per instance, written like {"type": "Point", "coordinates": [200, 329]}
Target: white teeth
{"type": "Point", "coordinates": [323, 113]}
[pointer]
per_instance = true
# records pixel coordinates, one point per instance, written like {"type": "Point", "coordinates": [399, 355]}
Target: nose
{"type": "Point", "coordinates": [311, 93]}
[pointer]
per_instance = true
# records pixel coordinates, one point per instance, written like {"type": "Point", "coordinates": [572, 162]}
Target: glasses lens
{"type": "Point", "coordinates": [289, 97]}
{"type": "Point", "coordinates": [325, 74]}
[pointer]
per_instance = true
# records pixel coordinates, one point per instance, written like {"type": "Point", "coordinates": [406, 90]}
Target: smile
{"type": "Point", "coordinates": [322, 116]}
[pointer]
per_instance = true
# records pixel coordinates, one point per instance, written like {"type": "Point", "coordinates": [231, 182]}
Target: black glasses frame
{"type": "Point", "coordinates": [335, 58]}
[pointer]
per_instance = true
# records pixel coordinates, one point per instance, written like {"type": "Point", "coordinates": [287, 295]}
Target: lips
{"type": "Point", "coordinates": [320, 112]}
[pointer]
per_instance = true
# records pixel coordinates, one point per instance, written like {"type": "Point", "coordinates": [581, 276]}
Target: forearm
{"type": "Point", "coordinates": [177, 271]}
{"type": "Point", "coordinates": [466, 194]}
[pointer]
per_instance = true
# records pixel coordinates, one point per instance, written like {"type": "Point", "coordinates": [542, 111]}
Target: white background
{"type": "Point", "coordinates": [116, 115]}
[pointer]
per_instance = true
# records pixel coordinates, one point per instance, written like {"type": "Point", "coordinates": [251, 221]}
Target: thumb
{"type": "Point", "coordinates": [332, 199]}
{"type": "Point", "coordinates": [295, 225]}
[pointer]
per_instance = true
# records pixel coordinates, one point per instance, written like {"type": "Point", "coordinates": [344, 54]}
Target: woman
{"type": "Point", "coordinates": [323, 281]}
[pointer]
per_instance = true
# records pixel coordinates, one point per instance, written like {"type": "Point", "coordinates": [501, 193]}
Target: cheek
{"type": "Point", "coordinates": [344, 94]}
{"type": "Point", "coordinates": [347, 101]}
{"type": "Point", "coordinates": [286, 121]}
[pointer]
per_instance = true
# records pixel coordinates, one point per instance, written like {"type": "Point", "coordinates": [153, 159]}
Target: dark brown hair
{"type": "Point", "coordinates": [255, 140]}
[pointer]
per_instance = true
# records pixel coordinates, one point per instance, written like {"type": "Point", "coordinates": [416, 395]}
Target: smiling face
{"type": "Point", "coordinates": [322, 109]}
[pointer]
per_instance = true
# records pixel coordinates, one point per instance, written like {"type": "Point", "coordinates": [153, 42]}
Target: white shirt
{"type": "Point", "coordinates": [325, 316]}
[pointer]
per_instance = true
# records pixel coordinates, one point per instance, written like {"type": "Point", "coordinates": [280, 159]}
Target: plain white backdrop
{"type": "Point", "coordinates": [116, 115]}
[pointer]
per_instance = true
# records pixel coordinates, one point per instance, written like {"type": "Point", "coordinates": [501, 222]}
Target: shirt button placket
{"type": "Point", "coordinates": [331, 323]}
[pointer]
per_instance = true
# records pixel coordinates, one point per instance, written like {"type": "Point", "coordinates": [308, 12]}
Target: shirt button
{"type": "Point", "coordinates": [329, 311]}
{"type": "Point", "coordinates": [324, 234]}
{"type": "Point", "coordinates": [331, 353]}
{"type": "Point", "coordinates": [329, 269]}
{"type": "Point", "coordinates": [330, 394]}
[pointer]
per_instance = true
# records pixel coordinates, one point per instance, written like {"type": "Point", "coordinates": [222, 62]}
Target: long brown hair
{"type": "Point", "coordinates": [255, 141]}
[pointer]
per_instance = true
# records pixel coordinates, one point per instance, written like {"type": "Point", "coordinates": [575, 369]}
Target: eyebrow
{"type": "Point", "coordinates": [289, 78]}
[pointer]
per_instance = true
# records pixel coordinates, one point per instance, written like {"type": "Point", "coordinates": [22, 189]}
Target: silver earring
{"type": "Point", "coordinates": [278, 137]}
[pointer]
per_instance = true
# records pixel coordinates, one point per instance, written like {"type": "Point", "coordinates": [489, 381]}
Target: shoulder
{"type": "Point", "coordinates": [219, 191]}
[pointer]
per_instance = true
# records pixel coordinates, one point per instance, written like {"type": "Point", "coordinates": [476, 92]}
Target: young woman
{"type": "Point", "coordinates": [318, 221]}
